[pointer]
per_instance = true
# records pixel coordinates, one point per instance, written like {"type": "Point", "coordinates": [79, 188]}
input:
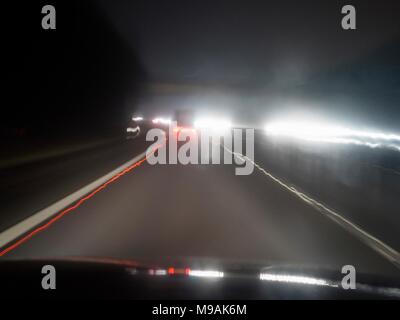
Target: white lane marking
{"type": "Point", "coordinates": [38, 218]}
{"type": "Point", "coordinates": [374, 243]}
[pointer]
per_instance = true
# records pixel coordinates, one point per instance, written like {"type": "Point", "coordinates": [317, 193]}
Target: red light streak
{"type": "Point", "coordinates": [73, 207]}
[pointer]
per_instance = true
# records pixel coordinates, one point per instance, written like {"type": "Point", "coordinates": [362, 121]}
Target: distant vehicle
{"type": "Point", "coordinates": [184, 118]}
{"type": "Point", "coordinates": [133, 129]}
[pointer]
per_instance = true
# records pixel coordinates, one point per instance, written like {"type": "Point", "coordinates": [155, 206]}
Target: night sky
{"type": "Point", "coordinates": [250, 59]}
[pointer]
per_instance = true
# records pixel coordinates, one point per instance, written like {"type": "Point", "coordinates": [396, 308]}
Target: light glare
{"type": "Point", "coordinates": [212, 123]}
{"type": "Point", "coordinates": [161, 121]}
{"type": "Point", "coordinates": [323, 132]}
{"type": "Point", "coordinates": [132, 129]}
{"type": "Point", "coordinates": [293, 279]}
{"type": "Point", "coordinates": [137, 118]}
{"type": "Point", "coordinates": [206, 273]}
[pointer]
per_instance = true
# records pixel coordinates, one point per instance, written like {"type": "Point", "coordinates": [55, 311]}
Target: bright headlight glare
{"type": "Point", "coordinates": [212, 123]}
{"type": "Point", "coordinates": [161, 121]}
{"type": "Point", "coordinates": [325, 132]}
{"type": "Point", "coordinates": [293, 279]}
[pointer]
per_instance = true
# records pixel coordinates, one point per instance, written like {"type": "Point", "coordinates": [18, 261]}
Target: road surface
{"type": "Point", "coordinates": [158, 212]}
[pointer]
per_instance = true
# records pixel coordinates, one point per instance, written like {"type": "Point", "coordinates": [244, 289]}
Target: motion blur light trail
{"type": "Point", "coordinates": [324, 132]}
{"type": "Point", "coordinates": [164, 121]}
{"type": "Point", "coordinates": [206, 273]}
{"type": "Point", "coordinates": [74, 206]}
{"type": "Point", "coordinates": [374, 243]}
{"type": "Point", "coordinates": [295, 279]}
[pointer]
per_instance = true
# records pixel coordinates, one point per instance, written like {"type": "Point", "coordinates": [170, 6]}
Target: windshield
{"type": "Point", "coordinates": [205, 133]}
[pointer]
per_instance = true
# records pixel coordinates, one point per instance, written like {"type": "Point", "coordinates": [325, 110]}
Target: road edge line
{"type": "Point", "coordinates": [21, 228]}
